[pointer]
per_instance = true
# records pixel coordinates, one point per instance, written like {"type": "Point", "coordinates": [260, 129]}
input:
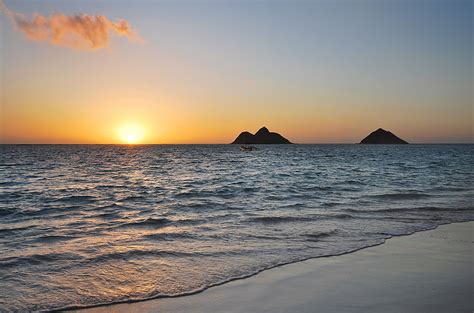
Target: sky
{"type": "Point", "coordinates": [177, 71]}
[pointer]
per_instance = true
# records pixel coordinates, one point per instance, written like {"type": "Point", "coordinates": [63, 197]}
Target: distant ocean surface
{"type": "Point", "coordinates": [82, 225]}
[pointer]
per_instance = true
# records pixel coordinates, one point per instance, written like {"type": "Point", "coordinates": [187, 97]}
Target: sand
{"type": "Point", "coordinates": [430, 271]}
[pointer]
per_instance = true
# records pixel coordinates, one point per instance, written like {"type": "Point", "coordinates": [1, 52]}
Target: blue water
{"type": "Point", "coordinates": [83, 225]}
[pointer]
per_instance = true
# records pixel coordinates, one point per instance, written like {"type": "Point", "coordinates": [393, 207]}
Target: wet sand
{"type": "Point", "coordinates": [430, 271]}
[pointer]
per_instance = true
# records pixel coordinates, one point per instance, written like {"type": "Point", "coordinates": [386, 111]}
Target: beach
{"type": "Point", "coordinates": [429, 271]}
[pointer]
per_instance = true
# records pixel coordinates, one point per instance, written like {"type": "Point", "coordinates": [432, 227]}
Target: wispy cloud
{"type": "Point", "coordinates": [79, 31]}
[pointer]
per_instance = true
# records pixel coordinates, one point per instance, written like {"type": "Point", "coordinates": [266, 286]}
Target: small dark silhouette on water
{"type": "Point", "coordinates": [263, 136]}
{"type": "Point", "coordinates": [381, 136]}
{"type": "Point", "coordinates": [247, 148]}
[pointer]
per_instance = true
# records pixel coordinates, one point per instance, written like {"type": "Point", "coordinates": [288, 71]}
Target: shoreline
{"type": "Point", "coordinates": [176, 303]}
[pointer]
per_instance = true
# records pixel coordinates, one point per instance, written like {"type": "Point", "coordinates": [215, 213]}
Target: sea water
{"type": "Point", "coordinates": [83, 225]}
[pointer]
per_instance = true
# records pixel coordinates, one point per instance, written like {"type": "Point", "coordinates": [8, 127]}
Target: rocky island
{"type": "Point", "coordinates": [382, 136]}
{"type": "Point", "coordinates": [263, 136]}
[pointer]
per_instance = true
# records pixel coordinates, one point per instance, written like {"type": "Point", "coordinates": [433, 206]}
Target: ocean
{"type": "Point", "coordinates": [83, 225]}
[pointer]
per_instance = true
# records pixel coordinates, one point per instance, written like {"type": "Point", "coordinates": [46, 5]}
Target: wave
{"type": "Point", "coordinates": [137, 253]}
{"type": "Point", "coordinates": [11, 183]}
{"type": "Point", "coordinates": [290, 219]}
{"type": "Point", "coordinates": [5, 212]}
{"type": "Point", "coordinates": [320, 235]}
{"type": "Point", "coordinates": [401, 196]}
{"type": "Point", "coordinates": [279, 198]}
{"type": "Point", "coordinates": [455, 189]}
{"type": "Point", "coordinates": [36, 259]}
{"type": "Point", "coordinates": [414, 210]}
{"type": "Point", "coordinates": [197, 205]}
{"type": "Point", "coordinates": [149, 222]}
{"type": "Point", "coordinates": [51, 210]}
{"type": "Point", "coordinates": [15, 164]}
{"type": "Point", "coordinates": [169, 236]}
{"type": "Point", "coordinates": [251, 273]}
{"type": "Point", "coordinates": [264, 237]}
{"type": "Point", "coordinates": [318, 188]}
{"type": "Point", "coordinates": [113, 206]}
{"type": "Point", "coordinates": [53, 238]}
{"type": "Point", "coordinates": [15, 229]}
{"type": "Point", "coordinates": [280, 219]}
{"type": "Point", "coordinates": [331, 204]}
{"type": "Point", "coordinates": [75, 199]}
{"type": "Point", "coordinates": [132, 198]}
{"type": "Point", "coordinates": [190, 221]}
{"type": "Point", "coordinates": [339, 216]}
{"type": "Point", "coordinates": [109, 187]}
{"type": "Point", "coordinates": [107, 215]}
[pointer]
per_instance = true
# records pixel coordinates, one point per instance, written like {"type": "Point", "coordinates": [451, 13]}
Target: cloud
{"type": "Point", "coordinates": [80, 31]}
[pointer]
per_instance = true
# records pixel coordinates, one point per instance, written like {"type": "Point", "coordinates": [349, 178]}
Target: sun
{"type": "Point", "coordinates": [131, 133]}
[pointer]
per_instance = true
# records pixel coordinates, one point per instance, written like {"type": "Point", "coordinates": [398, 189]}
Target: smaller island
{"type": "Point", "coordinates": [382, 136]}
{"type": "Point", "coordinates": [263, 136]}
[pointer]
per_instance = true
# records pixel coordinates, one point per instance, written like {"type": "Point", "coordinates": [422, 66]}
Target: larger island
{"type": "Point", "coordinates": [262, 136]}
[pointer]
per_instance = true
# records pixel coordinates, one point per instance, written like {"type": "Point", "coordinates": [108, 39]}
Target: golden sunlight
{"type": "Point", "coordinates": [131, 133]}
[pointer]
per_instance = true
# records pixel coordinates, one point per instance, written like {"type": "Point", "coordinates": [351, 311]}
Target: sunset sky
{"type": "Point", "coordinates": [202, 71]}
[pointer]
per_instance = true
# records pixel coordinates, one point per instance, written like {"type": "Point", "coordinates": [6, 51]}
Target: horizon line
{"type": "Point", "coordinates": [293, 143]}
